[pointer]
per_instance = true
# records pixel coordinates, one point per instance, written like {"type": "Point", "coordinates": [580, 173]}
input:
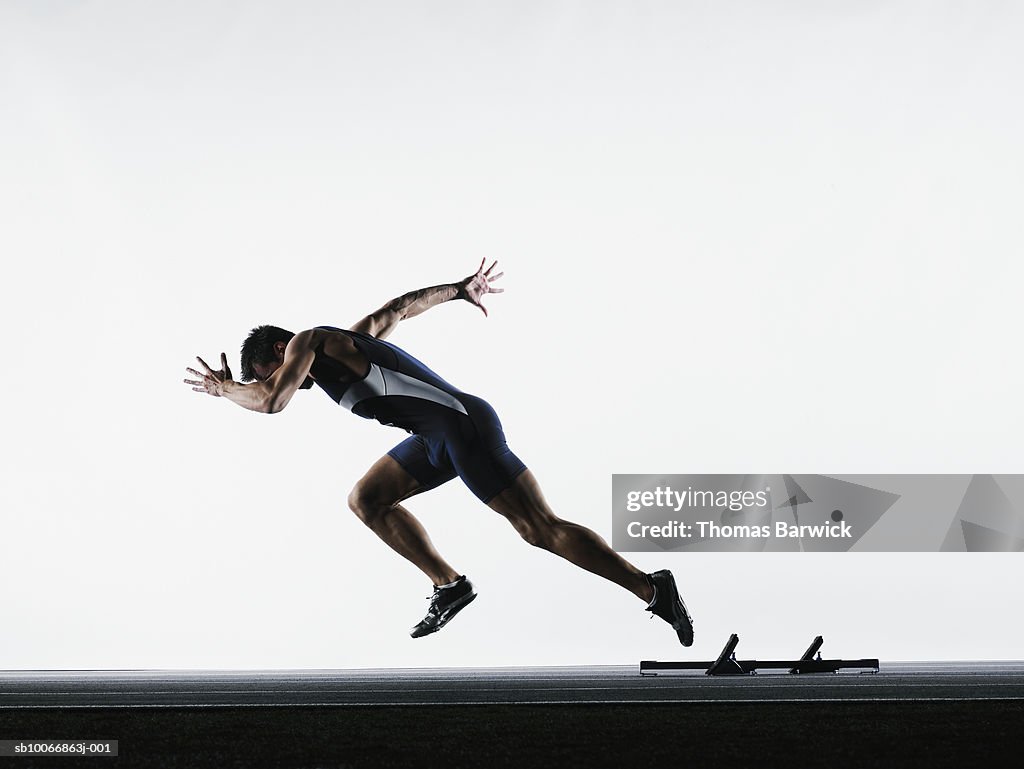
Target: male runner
{"type": "Point", "coordinates": [451, 433]}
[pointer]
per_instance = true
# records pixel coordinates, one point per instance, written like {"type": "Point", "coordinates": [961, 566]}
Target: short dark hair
{"type": "Point", "coordinates": [258, 348]}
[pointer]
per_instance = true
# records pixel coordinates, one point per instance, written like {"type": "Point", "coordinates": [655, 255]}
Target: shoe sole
{"type": "Point", "coordinates": [683, 626]}
{"type": "Point", "coordinates": [447, 617]}
{"type": "Point", "coordinates": [685, 633]}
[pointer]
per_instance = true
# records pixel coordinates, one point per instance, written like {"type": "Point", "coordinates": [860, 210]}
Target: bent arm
{"type": "Point", "coordinates": [273, 394]}
{"type": "Point", "coordinates": [383, 321]}
{"type": "Point", "coordinates": [252, 396]}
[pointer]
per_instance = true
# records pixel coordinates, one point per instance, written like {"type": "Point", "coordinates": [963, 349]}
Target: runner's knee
{"type": "Point", "coordinates": [528, 532]}
{"type": "Point", "coordinates": [366, 504]}
{"type": "Point", "coordinates": [538, 531]}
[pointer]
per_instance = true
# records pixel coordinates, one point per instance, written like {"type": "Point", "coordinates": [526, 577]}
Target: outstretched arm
{"type": "Point", "coordinates": [383, 321]}
{"type": "Point", "coordinates": [269, 395]}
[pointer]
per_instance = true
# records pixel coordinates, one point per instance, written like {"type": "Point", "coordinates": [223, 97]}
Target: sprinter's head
{"type": "Point", "coordinates": [263, 352]}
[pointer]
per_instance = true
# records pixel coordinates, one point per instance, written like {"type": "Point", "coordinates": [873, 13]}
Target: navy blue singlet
{"type": "Point", "coordinates": [453, 433]}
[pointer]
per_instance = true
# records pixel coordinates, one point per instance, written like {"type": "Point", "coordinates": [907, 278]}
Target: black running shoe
{"type": "Point", "coordinates": [669, 606]}
{"type": "Point", "coordinates": [445, 603]}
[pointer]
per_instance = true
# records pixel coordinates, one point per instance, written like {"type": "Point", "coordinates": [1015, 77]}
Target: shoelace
{"type": "Point", "coordinates": [432, 609]}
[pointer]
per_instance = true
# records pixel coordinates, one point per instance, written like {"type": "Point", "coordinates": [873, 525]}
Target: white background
{"type": "Point", "coordinates": [737, 237]}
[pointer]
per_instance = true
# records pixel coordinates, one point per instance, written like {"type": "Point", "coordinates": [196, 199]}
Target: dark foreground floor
{"type": "Point", "coordinates": [982, 733]}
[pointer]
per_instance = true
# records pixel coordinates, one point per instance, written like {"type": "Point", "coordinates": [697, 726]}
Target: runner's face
{"type": "Point", "coordinates": [263, 371]}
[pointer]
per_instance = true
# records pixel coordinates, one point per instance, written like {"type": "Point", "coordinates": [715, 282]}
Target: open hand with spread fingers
{"type": "Point", "coordinates": [212, 382]}
{"type": "Point", "coordinates": [473, 288]}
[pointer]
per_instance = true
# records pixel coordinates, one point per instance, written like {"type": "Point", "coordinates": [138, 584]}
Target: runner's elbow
{"type": "Point", "coordinates": [385, 320]}
{"type": "Point", "coordinates": [274, 403]}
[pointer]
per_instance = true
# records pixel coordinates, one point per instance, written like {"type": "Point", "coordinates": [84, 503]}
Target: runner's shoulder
{"type": "Point", "coordinates": [307, 338]}
{"type": "Point", "coordinates": [336, 342]}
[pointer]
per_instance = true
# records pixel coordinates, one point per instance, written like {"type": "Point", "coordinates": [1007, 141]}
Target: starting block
{"type": "Point", "coordinates": [728, 665]}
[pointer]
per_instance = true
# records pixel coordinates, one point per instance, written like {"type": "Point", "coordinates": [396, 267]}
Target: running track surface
{"type": "Point", "coordinates": [917, 682]}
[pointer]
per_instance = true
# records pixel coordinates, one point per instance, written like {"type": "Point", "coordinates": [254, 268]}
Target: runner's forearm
{"type": "Point", "coordinates": [253, 396]}
{"type": "Point", "coordinates": [415, 302]}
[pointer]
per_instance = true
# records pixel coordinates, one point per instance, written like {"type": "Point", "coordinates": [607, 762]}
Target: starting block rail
{"type": "Point", "coordinates": [728, 665]}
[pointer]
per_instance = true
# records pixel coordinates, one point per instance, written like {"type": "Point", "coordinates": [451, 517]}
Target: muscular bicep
{"type": "Point", "coordinates": [298, 359]}
{"type": "Point", "coordinates": [380, 323]}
